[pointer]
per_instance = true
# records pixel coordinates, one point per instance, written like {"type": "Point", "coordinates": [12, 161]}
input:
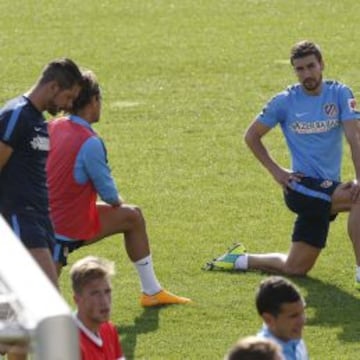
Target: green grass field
{"type": "Point", "coordinates": [182, 80]}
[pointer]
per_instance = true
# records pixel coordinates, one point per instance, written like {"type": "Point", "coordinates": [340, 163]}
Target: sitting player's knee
{"type": "Point", "coordinates": [136, 215]}
{"type": "Point", "coordinates": [298, 270]}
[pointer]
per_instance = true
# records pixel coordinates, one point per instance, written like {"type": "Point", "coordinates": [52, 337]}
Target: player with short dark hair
{"type": "Point", "coordinates": [313, 115]}
{"type": "Point", "coordinates": [91, 283]}
{"type": "Point", "coordinates": [78, 171]}
{"type": "Point", "coordinates": [281, 306]}
{"type": "Point", "coordinates": [24, 146]}
{"type": "Point", "coordinates": [303, 49]}
{"type": "Point", "coordinates": [66, 74]}
{"type": "Point", "coordinates": [273, 292]}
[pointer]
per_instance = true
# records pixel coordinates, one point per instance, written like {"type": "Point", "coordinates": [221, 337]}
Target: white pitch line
{"type": "Point", "coordinates": [125, 104]}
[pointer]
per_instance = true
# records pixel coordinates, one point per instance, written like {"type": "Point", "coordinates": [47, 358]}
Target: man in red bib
{"type": "Point", "coordinates": [77, 172]}
{"type": "Point", "coordinates": [99, 339]}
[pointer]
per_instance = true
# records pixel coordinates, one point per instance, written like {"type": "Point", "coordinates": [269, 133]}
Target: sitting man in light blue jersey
{"type": "Point", "coordinates": [313, 115]}
{"type": "Point", "coordinates": [281, 306]}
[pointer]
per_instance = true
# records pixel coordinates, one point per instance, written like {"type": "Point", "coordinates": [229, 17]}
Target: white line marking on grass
{"type": "Point", "coordinates": [124, 104]}
{"type": "Point", "coordinates": [282, 61]}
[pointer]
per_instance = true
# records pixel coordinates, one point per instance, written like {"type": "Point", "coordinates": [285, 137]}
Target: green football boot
{"type": "Point", "coordinates": [226, 262]}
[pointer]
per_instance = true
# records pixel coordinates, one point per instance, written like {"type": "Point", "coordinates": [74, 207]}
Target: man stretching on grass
{"type": "Point", "coordinates": [77, 171]}
{"type": "Point", "coordinates": [313, 116]}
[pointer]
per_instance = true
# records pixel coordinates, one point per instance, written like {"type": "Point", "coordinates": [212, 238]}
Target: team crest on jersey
{"type": "Point", "coordinates": [326, 184]}
{"type": "Point", "coordinates": [331, 109]}
{"type": "Point", "coordinates": [352, 105]}
{"type": "Point", "coordinates": [40, 143]}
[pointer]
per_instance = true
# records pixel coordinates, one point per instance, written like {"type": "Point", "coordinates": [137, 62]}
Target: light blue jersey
{"type": "Point", "coordinates": [91, 165]}
{"type": "Point", "coordinates": [312, 126]}
{"type": "Point", "coordinates": [292, 349]}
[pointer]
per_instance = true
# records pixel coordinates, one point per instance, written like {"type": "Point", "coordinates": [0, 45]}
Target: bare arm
{"type": "Point", "coordinates": [352, 134]}
{"type": "Point", "coordinates": [253, 138]}
{"type": "Point", "coordinates": [5, 153]}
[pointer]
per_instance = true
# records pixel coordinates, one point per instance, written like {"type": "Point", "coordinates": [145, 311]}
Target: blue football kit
{"type": "Point", "coordinates": [291, 349]}
{"type": "Point", "coordinates": [23, 190]}
{"type": "Point", "coordinates": [313, 128]}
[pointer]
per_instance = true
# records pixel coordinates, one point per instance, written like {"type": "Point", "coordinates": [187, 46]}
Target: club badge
{"type": "Point", "coordinates": [331, 110]}
{"type": "Point", "coordinates": [326, 184]}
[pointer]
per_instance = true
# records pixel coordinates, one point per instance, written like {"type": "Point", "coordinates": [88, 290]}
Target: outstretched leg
{"type": "Point", "coordinates": [300, 259]}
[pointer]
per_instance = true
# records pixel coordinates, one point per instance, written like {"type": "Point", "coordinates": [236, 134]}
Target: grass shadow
{"type": "Point", "coordinates": [146, 322]}
{"type": "Point", "coordinates": [331, 306]}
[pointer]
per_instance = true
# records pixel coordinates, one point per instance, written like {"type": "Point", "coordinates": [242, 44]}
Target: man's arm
{"type": "Point", "coordinates": [5, 153]}
{"type": "Point", "coordinates": [92, 156]}
{"type": "Point", "coordinates": [352, 134]}
{"type": "Point", "coordinates": [253, 138]}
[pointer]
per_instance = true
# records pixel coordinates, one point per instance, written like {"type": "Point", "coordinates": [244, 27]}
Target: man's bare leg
{"type": "Point", "coordinates": [354, 230]}
{"type": "Point", "coordinates": [345, 199]}
{"type": "Point", "coordinates": [15, 356]}
{"type": "Point", "coordinates": [128, 220]}
{"type": "Point", "coordinates": [43, 257]}
{"type": "Point", "coordinates": [299, 261]}
{"type": "Point", "coordinates": [16, 351]}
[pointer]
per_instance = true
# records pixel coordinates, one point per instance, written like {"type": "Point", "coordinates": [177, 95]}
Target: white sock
{"type": "Point", "coordinates": [149, 283]}
{"type": "Point", "coordinates": [358, 273]}
{"type": "Point", "coordinates": [241, 262]}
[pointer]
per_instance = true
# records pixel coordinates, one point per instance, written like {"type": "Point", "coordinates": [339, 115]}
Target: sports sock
{"type": "Point", "coordinates": [358, 273]}
{"type": "Point", "coordinates": [241, 262]}
{"type": "Point", "coordinates": [149, 283]}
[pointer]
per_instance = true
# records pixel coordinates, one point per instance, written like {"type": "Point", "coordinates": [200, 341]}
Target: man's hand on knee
{"type": "Point", "coordinates": [355, 191]}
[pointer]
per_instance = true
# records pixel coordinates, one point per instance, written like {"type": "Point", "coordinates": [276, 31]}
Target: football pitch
{"type": "Point", "coordinates": [181, 81]}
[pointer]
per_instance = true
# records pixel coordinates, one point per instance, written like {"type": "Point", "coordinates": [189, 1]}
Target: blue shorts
{"type": "Point", "coordinates": [63, 248]}
{"type": "Point", "coordinates": [310, 199]}
{"type": "Point", "coordinates": [34, 230]}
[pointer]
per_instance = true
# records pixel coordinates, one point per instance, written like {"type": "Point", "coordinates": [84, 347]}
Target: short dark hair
{"type": "Point", "coordinates": [254, 348]}
{"type": "Point", "coordinates": [305, 48]}
{"type": "Point", "coordinates": [64, 71]}
{"type": "Point", "coordinates": [90, 87]}
{"type": "Point", "coordinates": [273, 292]}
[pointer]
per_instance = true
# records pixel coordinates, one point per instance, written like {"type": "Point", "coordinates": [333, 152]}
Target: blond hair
{"type": "Point", "coordinates": [89, 268]}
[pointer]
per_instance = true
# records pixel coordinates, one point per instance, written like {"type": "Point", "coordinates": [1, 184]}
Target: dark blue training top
{"type": "Point", "coordinates": [23, 186]}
